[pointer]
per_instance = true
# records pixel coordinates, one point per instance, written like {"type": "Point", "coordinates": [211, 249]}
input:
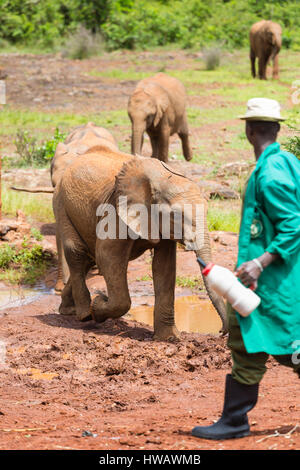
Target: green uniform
{"type": "Point", "coordinates": [271, 222]}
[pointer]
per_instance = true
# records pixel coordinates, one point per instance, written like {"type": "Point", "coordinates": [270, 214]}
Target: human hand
{"type": "Point", "coordinates": [248, 273]}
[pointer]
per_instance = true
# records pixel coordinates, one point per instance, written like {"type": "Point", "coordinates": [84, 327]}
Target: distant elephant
{"type": "Point", "coordinates": [265, 43]}
{"type": "Point", "coordinates": [77, 143]}
{"type": "Point", "coordinates": [105, 177]}
{"type": "Point", "coordinates": [157, 106]}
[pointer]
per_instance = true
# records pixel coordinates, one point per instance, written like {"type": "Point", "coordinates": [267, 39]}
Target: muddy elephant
{"type": "Point", "coordinates": [77, 143]}
{"type": "Point", "coordinates": [265, 44]}
{"type": "Point", "coordinates": [158, 107]}
{"type": "Point", "coordinates": [111, 182]}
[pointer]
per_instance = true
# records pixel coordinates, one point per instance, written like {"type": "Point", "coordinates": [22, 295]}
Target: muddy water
{"type": "Point", "coordinates": [17, 296]}
{"type": "Point", "coordinates": [192, 314]}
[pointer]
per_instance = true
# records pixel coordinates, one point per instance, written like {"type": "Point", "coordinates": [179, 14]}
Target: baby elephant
{"type": "Point", "coordinates": [157, 106]}
{"type": "Point", "coordinates": [265, 43]}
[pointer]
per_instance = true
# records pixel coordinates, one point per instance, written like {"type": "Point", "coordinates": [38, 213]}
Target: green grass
{"type": "Point", "coordinates": [12, 119]}
{"type": "Point", "coordinates": [224, 216]}
{"type": "Point", "coordinates": [190, 282]}
{"type": "Point", "coordinates": [131, 73]}
{"type": "Point", "coordinates": [34, 206]}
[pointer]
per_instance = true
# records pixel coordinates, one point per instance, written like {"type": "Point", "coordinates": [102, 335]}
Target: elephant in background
{"type": "Point", "coordinates": [265, 43]}
{"type": "Point", "coordinates": [104, 177]}
{"type": "Point", "coordinates": [158, 106]}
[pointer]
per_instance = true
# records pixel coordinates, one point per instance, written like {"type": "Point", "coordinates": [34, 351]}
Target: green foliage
{"type": "Point", "coordinates": [7, 253]}
{"type": "Point", "coordinates": [33, 154]}
{"type": "Point", "coordinates": [23, 265]}
{"type": "Point", "coordinates": [293, 145]}
{"type": "Point", "coordinates": [146, 23]}
{"type": "Point", "coordinates": [35, 233]}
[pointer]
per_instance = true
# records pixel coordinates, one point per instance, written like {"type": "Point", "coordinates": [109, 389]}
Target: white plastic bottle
{"type": "Point", "coordinates": [225, 283]}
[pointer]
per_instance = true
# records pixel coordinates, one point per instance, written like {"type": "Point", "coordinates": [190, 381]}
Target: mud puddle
{"type": "Point", "coordinates": [18, 296]}
{"type": "Point", "coordinates": [192, 314]}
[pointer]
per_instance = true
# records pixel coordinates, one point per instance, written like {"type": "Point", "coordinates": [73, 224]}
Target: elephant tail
{"type": "Point", "coordinates": [37, 189]}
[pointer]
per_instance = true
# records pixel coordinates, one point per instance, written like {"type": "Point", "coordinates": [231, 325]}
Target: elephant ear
{"type": "Point", "coordinates": [162, 104]}
{"type": "Point", "coordinates": [134, 196]}
{"type": "Point", "coordinates": [161, 99]}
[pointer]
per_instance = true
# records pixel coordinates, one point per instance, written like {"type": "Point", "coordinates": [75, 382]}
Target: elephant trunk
{"type": "Point", "coordinates": [217, 301]}
{"type": "Point", "coordinates": [137, 139]}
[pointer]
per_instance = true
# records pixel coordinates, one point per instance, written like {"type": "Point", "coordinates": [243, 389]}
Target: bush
{"type": "Point", "coordinates": [33, 154]}
{"type": "Point", "coordinates": [83, 44]}
{"type": "Point", "coordinates": [293, 145]}
{"type": "Point", "coordinates": [212, 58]}
{"type": "Point", "coordinates": [145, 23]}
{"type": "Point", "coordinates": [25, 265]}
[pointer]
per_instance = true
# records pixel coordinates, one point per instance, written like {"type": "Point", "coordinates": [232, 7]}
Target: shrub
{"type": "Point", "coordinates": [33, 154]}
{"type": "Point", "coordinates": [293, 145]}
{"type": "Point", "coordinates": [83, 44]}
{"type": "Point", "coordinates": [212, 58]}
{"type": "Point", "coordinates": [25, 265]}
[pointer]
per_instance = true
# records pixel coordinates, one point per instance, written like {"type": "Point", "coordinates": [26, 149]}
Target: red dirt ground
{"type": "Point", "coordinates": [62, 378]}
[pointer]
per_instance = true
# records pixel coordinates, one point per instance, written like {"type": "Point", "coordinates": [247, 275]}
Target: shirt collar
{"type": "Point", "coordinates": [270, 150]}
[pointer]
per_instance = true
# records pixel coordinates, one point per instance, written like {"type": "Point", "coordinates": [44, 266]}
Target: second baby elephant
{"type": "Point", "coordinates": [77, 143]}
{"type": "Point", "coordinates": [265, 43]}
{"type": "Point", "coordinates": [158, 107]}
{"type": "Point", "coordinates": [112, 184]}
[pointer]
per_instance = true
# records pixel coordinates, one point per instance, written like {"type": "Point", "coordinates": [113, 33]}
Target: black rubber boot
{"type": "Point", "coordinates": [239, 399]}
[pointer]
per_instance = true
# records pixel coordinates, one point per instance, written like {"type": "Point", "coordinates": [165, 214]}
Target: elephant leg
{"type": "Point", "coordinates": [79, 263]}
{"type": "Point", "coordinates": [262, 67]}
{"type": "Point", "coordinates": [164, 276]}
{"type": "Point", "coordinates": [67, 306]}
{"type": "Point", "coordinates": [163, 143]}
{"type": "Point", "coordinates": [275, 67]}
{"type": "Point", "coordinates": [154, 145]}
{"type": "Point", "coordinates": [184, 136]}
{"type": "Point", "coordinates": [63, 272]}
{"type": "Point", "coordinates": [252, 60]}
{"type": "Point", "coordinates": [112, 257]}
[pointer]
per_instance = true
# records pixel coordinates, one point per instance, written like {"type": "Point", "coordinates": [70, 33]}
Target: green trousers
{"type": "Point", "coordinates": [249, 368]}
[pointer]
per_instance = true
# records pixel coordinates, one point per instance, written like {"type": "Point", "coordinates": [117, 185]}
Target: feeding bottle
{"type": "Point", "coordinates": [226, 284]}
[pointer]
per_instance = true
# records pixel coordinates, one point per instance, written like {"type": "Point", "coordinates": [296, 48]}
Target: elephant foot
{"type": "Point", "coordinates": [166, 333]}
{"type": "Point", "coordinates": [84, 315]}
{"type": "Point", "coordinates": [67, 310]}
{"type": "Point", "coordinates": [94, 309]}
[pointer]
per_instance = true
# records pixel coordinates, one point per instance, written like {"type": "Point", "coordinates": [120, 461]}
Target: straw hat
{"type": "Point", "coordinates": [263, 109]}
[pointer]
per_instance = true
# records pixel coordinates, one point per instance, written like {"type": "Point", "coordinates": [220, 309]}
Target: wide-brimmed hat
{"type": "Point", "coordinates": [263, 109]}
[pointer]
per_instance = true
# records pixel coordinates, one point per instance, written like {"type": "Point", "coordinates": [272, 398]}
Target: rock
{"type": "Point", "coordinates": [3, 229]}
{"type": "Point", "coordinates": [48, 247]}
{"type": "Point", "coordinates": [235, 168]}
{"type": "Point", "coordinates": [224, 193]}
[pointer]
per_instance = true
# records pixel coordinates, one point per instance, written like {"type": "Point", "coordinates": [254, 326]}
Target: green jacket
{"type": "Point", "coordinates": [271, 222]}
